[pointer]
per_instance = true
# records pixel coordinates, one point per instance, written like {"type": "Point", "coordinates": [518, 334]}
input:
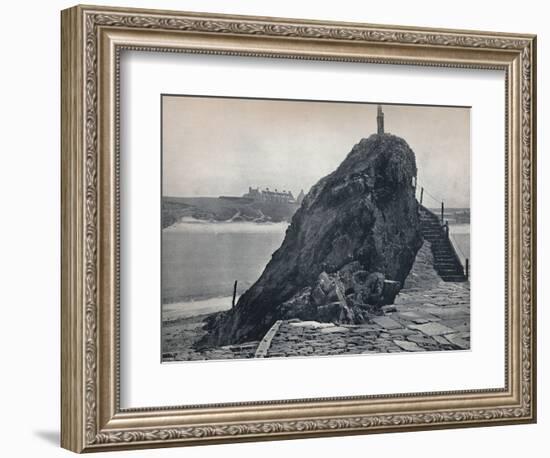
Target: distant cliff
{"type": "Point", "coordinates": [348, 250]}
{"type": "Point", "coordinates": [224, 209]}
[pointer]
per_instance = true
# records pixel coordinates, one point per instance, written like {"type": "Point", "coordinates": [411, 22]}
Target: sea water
{"type": "Point", "coordinates": [460, 238]}
{"type": "Point", "coordinates": [202, 259]}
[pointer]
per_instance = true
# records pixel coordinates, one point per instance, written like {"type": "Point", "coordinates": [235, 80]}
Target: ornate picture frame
{"type": "Point", "coordinates": [92, 41]}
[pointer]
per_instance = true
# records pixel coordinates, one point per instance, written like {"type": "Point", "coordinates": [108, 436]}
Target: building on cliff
{"type": "Point", "coordinates": [266, 195]}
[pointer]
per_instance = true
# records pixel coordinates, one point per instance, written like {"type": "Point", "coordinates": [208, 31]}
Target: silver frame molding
{"type": "Point", "coordinates": [92, 39]}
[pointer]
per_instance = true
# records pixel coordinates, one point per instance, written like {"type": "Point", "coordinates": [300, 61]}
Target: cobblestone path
{"type": "Point", "coordinates": [420, 320]}
{"type": "Point", "coordinates": [179, 336]}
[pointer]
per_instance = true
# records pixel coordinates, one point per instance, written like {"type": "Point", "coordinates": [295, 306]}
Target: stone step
{"type": "Point", "coordinates": [436, 243]}
{"type": "Point", "coordinates": [443, 242]}
{"type": "Point", "coordinates": [430, 222]}
{"type": "Point", "coordinates": [446, 262]}
{"type": "Point", "coordinates": [437, 233]}
{"type": "Point", "coordinates": [432, 230]}
{"type": "Point", "coordinates": [435, 239]}
{"type": "Point", "coordinates": [444, 259]}
{"type": "Point", "coordinates": [452, 273]}
{"type": "Point", "coordinates": [443, 252]}
{"type": "Point", "coordinates": [442, 249]}
{"type": "Point", "coordinates": [444, 272]}
{"type": "Point", "coordinates": [446, 265]}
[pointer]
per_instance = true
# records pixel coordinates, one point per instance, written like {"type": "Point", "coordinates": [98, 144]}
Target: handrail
{"type": "Point", "coordinates": [437, 199]}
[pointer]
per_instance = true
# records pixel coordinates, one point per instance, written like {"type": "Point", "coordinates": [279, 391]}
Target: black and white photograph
{"type": "Point", "coordinates": [245, 229]}
{"type": "Point", "coordinates": [294, 228]}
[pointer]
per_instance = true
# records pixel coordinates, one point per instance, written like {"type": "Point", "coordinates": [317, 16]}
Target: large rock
{"type": "Point", "coordinates": [356, 232]}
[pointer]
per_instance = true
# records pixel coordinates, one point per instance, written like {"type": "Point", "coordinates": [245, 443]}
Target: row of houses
{"type": "Point", "coordinates": [268, 195]}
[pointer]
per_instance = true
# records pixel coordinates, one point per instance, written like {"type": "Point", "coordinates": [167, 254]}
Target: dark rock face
{"type": "Point", "coordinates": [347, 251]}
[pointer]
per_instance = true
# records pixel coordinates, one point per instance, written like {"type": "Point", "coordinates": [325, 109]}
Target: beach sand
{"type": "Point", "coordinates": [179, 336]}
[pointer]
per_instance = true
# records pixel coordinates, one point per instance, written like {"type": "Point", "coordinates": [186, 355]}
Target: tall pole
{"type": "Point", "coordinates": [442, 212]}
{"type": "Point", "coordinates": [421, 195]}
{"type": "Point", "coordinates": [380, 120]}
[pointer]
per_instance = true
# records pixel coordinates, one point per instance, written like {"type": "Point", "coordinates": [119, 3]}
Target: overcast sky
{"type": "Point", "coordinates": [220, 146]}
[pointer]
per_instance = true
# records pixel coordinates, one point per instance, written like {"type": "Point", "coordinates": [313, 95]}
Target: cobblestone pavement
{"type": "Point", "coordinates": [419, 320]}
{"type": "Point", "coordinates": [179, 336]}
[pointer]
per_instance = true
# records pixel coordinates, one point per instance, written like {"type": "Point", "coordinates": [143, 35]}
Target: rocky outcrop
{"type": "Point", "coordinates": [347, 251]}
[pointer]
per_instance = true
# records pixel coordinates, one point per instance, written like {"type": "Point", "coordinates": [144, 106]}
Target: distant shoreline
{"type": "Point", "coordinates": [225, 209]}
{"type": "Point", "coordinates": [190, 223]}
{"type": "Point", "coordinates": [193, 308]}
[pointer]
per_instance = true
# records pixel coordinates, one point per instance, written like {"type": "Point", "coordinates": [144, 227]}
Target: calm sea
{"type": "Point", "coordinates": [201, 261]}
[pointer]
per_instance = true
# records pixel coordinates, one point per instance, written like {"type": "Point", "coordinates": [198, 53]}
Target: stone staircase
{"type": "Point", "coordinates": [446, 262]}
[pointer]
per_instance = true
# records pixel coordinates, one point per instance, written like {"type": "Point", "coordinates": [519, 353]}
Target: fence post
{"type": "Point", "coordinates": [421, 195]}
{"type": "Point", "coordinates": [234, 294]}
{"type": "Point", "coordinates": [442, 212]}
{"type": "Point", "coordinates": [467, 268]}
